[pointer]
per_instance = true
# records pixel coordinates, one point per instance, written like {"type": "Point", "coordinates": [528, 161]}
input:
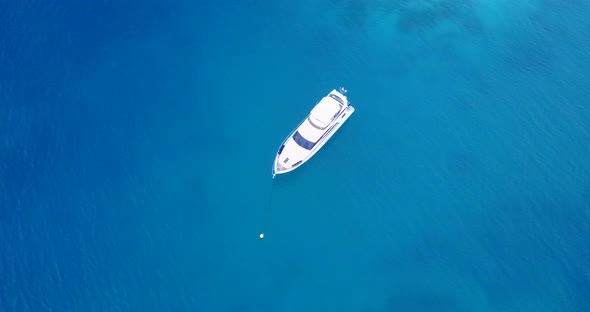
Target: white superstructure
{"type": "Point", "coordinates": [313, 132]}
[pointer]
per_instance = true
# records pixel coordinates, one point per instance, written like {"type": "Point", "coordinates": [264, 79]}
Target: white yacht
{"type": "Point", "coordinates": [313, 132]}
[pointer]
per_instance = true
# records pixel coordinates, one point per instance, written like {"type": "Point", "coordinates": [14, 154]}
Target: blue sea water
{"type": "Point", "coordinates": [137, 139]}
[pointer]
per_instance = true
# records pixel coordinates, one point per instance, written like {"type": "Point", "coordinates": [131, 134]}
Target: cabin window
{"type": "Point", "coordinates": [303, 142]}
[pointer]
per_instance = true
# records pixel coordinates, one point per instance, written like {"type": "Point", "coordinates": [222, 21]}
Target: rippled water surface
{"type": "Point", "coordinates": [137, 139]}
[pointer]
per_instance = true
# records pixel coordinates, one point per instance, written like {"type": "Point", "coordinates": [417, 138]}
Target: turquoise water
{"type": "Point", "coordinates": [137, 142]}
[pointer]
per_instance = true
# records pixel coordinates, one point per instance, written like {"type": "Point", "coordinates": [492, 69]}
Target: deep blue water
{"type": "Point", "coordinates": [137, 139]}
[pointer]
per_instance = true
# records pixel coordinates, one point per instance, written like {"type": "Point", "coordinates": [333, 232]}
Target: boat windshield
{"type": "Point", "coordinates": [303, 142]}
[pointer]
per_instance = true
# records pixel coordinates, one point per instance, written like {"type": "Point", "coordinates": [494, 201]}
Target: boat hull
{"type": "Point", "coordinates": [329, 132]}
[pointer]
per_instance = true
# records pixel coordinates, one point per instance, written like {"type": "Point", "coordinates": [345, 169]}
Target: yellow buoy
{"type": "Point", "coordinates": [261, 235]}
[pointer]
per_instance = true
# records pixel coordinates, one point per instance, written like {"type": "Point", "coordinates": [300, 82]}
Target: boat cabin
{"type": "Point", "coordinates": [324, 112]}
